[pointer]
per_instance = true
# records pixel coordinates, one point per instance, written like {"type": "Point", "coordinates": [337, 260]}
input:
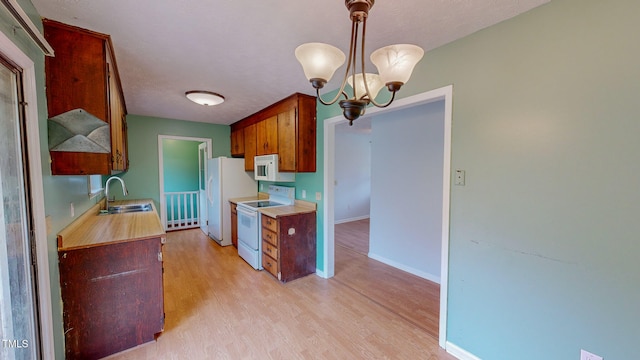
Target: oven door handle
{"type": "Point", "coordinates": [245, 212]}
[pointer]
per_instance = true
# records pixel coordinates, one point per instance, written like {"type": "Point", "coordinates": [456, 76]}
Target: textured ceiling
{"type": "Point", "coordinates": [244, 49]}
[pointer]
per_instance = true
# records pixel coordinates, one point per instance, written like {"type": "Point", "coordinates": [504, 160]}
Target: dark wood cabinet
{"type": "Point", "coordinates": [234, 225]}
{"type": "Point", "coordinates": [286, 128]}
{"type": "Point", "coordinates": [250, 146]}
{"type": "Point", "coordinates": [237, 143]}
{"type": "Point", "coordinates": [289, 245]}
{"type": "Point", "coordinates": [267, 136]}
{"type": "Point", "coordinates": [84, 75]}
{"type": "Point", "coordinates": [112, 297]}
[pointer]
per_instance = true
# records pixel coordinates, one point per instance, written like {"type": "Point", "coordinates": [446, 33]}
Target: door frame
{"type": "Point", "coordinates": [444, 93]}
{"type": "Point", "coordinates": [12, 52]}
{"type": "Point", "coordinates": [202, 186]}
{"type": "Point", "coordinates": [163, 204]}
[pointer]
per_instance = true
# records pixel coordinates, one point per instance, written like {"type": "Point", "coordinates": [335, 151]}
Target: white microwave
{"type": "Point", "coordinates": [266, 169]}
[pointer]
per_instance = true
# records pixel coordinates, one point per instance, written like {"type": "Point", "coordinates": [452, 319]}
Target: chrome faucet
{"type": "Point", "coordinates": [106, 189]}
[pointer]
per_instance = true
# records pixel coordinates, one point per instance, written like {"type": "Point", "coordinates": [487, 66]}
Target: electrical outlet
{"type": "Point", "coordinates": [304, 194]}
{"type": "Point", "coordinates": [585, 355]}
{"type": "Point", "coordinates": [72, 210]}
{"type": "Point", "coordinates": [261, 187]}
{"type": "Point", "coordinates": [318, 196]}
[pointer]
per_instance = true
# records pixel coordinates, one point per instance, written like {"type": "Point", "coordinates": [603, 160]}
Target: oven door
{"type": "Point", "coordinates": [248, 227]}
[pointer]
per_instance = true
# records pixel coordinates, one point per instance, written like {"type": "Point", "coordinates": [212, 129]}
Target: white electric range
{"type": "Point", "coordinates": [250, 224]}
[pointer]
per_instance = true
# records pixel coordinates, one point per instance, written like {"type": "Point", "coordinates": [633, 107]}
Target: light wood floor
{"type": "Point", "coordinates": [413, 298]}
{"type": "Point", "coordinates": [218, 307]}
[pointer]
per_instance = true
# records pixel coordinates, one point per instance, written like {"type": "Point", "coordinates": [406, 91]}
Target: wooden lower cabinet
{"type": "Point", "coordinates": [112, 297]}
{"type": "Point", "coordinates": [234, 225]}
{"type": "Point", "coordinates": [289, 245]}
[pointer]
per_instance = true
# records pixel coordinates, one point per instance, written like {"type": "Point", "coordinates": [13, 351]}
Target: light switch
{"type": "Point", "coordinates": [318, 196]}
{"type": "Point", "coordinates": [459, 177]}
{"type": "Point", "coordinates": [304, 194]}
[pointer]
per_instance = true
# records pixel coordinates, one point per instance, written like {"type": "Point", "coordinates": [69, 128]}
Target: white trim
{"type": "Point", "coordinates": [410, 270]}
{"type": "Point", "coordinates": [444, 93]}
{"type": "Point", "coordinates": [163, 201]}
{"type": "Point", "coordinates": [357, 218]}
{"type": "Point", "coordinates": [29, 27]}
{"type": "Point", "coordinates": [16, 55]}
{"type": "Point", "coordinates": [459, 352]}
{"type": "Point", "coordinates": [446, 206]}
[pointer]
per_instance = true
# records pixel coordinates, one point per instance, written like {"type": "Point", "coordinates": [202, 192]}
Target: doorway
{"type": "Point", "coordinates": [181, 180]}
{"type": "Point", "coordinates": [444, 94]}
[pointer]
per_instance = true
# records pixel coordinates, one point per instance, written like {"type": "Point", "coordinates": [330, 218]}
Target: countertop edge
{"type": "Point", "coordinates": [91, 218]}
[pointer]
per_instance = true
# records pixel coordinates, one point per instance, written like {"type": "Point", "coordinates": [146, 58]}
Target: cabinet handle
{"type": "Point", "coordinates": [269, 250]}
{"type": "Point", "coordinates": [160, 256]}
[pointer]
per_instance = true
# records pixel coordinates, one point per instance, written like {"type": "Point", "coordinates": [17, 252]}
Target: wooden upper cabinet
{"type": "Point", "coordinates": [84, 75]}
{"type": "Point", "coordinates": [286, 128]}
{"type": "Point", "coordinates": [287, 140]}
{"type": "Point", "coordinates": [237, 143]}
{"type": "Point", "coordinates": [249, 146]}
{"type": "Point", "coordinates": [267, 136]}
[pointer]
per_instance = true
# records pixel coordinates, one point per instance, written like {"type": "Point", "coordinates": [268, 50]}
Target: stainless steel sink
{"type": "Point", "coordinates": [129, 208]}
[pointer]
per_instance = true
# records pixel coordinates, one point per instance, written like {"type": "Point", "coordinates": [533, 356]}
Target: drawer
{"type": "Point", "coordinates": [270, 265]}
{"type": "Point", "coordinates": [270, 249]}
{"type": "Point", "coordinates": [270, 237]}
{"type": "Point", "coordinates": [270, 223]}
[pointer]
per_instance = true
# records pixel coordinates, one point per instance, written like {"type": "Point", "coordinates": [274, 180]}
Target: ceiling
{"type": "Point", "coordinates": [244, 50]}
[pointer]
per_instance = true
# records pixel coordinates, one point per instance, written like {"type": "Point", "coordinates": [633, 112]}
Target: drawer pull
{"type": "Point", "coordinates": [269, 250]}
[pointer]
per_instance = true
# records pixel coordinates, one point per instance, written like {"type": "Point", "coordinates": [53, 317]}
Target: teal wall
{"type": "Point", "coordinates": [544, 236]}
{"type": "Point", "coordinates": [180, 159]}
{"type": "Point", "coordinates": [142, 177]}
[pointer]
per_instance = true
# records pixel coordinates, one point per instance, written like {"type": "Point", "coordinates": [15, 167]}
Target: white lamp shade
{"type": "Point", "coordinates": [206, 98]}
{"type": "Point", "coordinates": [373, 81]}
{"type": "Point", "coordinates": [318, 60]}
{"type": "Point", "coordinates": [395, 63]}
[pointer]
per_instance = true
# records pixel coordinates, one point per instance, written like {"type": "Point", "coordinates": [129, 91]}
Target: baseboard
{"type": "Point", "coordinates": [322, 274]}
{"type": "Point", "coordinates": [459, 352]}
{"type": "Point", "coordinates": [410, 270]}
{"type": "Point", "coordinates": [351, 219]}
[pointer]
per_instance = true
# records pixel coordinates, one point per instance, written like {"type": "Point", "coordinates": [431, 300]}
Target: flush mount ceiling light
{"type": "Point", "coordinates": [395, 64]}
{"type": "Point", "coordinates": [206, 98]}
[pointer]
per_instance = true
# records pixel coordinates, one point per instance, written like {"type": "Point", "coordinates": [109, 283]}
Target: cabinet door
{"type": "Point", "coordinates": [76, 76]}
{"type": "Point", "coordinates": [306, 134]}
{"type": "Point", "coordinates": [287, 136]}
{"type": "Point", "coordinates": [267, 135]}
{"type": "Point", "coordinates": [234, 225]}
{"type": "Point", "coordinates": [237, 143]}
{"type": "Point", "coordinates": [112, 297]}
{"type": "Point", "coordinates": [297, 246]}
{"type": "Point", "coordinates": [250, 138]}
{"type": "Point", "coordinates": [118, 135]}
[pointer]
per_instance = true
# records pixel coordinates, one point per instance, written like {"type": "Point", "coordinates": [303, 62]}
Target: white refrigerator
{"type": "Point", "coordinates": [226, 179]}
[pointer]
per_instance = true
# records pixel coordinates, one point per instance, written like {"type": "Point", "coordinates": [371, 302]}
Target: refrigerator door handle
{"type": "Point", "coordinates": [210, 189]}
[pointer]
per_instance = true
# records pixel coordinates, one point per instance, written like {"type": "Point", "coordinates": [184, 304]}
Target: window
{"type": "Point", "coordinates": [95, 185]}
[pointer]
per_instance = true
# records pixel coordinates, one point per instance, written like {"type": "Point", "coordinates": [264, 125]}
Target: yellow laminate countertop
{"type": "Point", "coordinates": [95, 229]}
{"type": "Point", "coordinates": [299, 207]}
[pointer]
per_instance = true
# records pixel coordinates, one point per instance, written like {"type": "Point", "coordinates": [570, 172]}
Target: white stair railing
{"type": "Point", "coordinates": [181, 210]}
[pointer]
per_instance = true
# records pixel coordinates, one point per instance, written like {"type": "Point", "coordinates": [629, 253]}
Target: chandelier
{"type": "Point", "coordinates": [394, 63]}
